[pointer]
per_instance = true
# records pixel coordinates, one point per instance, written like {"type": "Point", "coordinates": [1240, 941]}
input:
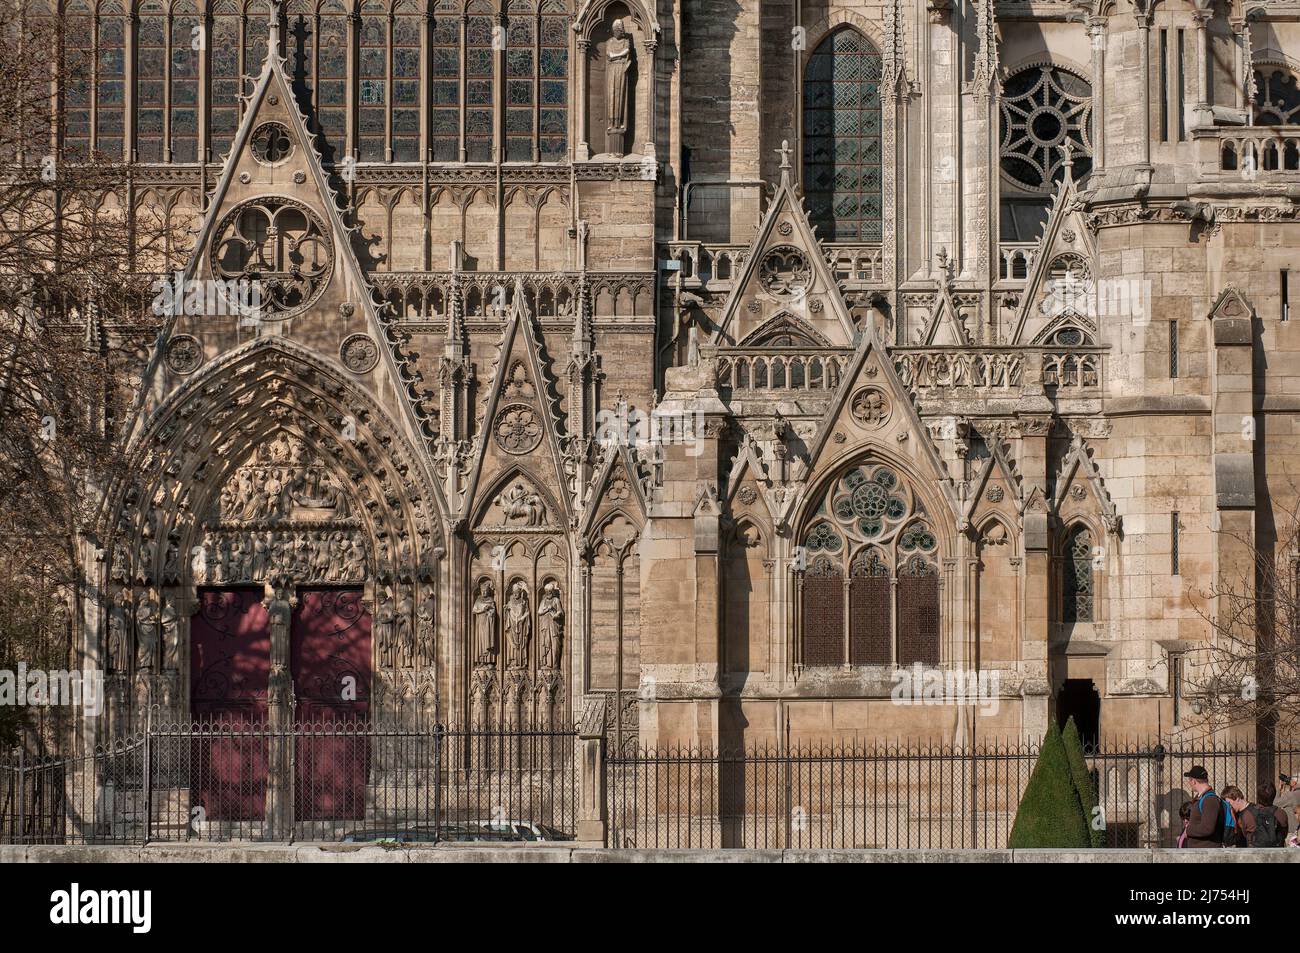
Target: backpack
{"type": "Point", "coordinates": [1265, 834]}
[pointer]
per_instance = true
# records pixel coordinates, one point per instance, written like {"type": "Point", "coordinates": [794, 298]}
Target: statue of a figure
{"type": "Point", "coordinates": [519, 625]}
{"type": "Point", "coordinates": [146, 633]}
{"type": "Point", "coordinates": [167, 620]}
{"type": "Point", "coordinates": [618, 54]}
{"type": "Point", "coordinates": [119, 620]}
{"type": "Point", "coordinates": [485, 625]}
{"type": "Point", "coordinates": [424, 631]}
{"type": "Point", "coordinates": [550, 627]}
{"type": "Point", "coordinates": [404, 631]}
{"type": "Point", "coordinates": [520, 503]}
{"type": "Point", "coordinates": [279, 616]}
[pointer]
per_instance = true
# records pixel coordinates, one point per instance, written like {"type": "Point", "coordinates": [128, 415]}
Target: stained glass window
{"type": "Point", "coordinates": [332, 85]}
{"type": "Point", "coordinates": [111, 84]}
{"type": "Point", "coordinates": [372, 81]}
{"type": "Point", "coordinates": [520, 56]}
{"type": "Point", "coordinates": [553, 55]}
{"type": "Point", "coordinates": [185, 83]}
{"type": "Point", "coordinates": [223, 42]}
{"type": "Point", "coordinates": [406, 84]}
{"type": "Point", "coordinates": [478, 87]}
{"type": "Point", "coordinates": [842, 145]}
{"type": "Point", "coordinates": [78, 65]}
{"type": "Point", "coordinates": [444, 70]}
{"type": "Point", "coordinates": [151, 78]}
{"type": "Point", "coordinates": [871, 528]}
{"type": "Point", "coordinates": [1076, 588]}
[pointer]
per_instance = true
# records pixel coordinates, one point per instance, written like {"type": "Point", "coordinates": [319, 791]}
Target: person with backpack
{"type": "Point", "coordinates": [1261, 824]}
{"type": "Point", "coordinates": [1207, 824]}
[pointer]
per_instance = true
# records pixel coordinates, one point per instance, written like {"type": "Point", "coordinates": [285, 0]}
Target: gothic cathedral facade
{"type": "Point", "coordinates": [694, 365]}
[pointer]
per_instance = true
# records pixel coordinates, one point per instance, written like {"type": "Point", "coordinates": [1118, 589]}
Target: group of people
{"type": "Point", "coordinates": [1228, 819]}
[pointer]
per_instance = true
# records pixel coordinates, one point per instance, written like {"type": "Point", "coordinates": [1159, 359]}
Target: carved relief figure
{"type": "Point", "coordinates": [425, 632]}
{"type": "Point", "coordinates": [404, 631]}
{"type": "Point", "coordinates": [550, 626]}
{"type": "Point", "coordinates": [521, 503]}
{"type": "Point", "coordinates": [519, 625]}
{"type": "Point", "coordinates": [484, 648]}
{"type": "Point", "coordinates": [119, 618]}
{"type": "Point", "coordinates": [618, 54]}
{"type": "Point", "coordinates": [167, 623]}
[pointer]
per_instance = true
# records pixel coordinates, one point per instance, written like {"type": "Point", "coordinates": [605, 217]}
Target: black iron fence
{"type": "Point", "coordinates": [355, 781]}
{"type": "Point", "coordinates": [898, 796]}
{"type": "Point", "coordinates": [308, 782]}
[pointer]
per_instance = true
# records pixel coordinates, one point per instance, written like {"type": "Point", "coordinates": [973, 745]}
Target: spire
{"type": "Point", "coordinates": [454, 346]}
{"type": "Point", "coordinates": [273, 41]}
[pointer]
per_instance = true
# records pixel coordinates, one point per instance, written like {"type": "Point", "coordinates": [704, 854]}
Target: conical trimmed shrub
{"type": "Point", "coordinates": [1082, 778]}
{"type": "Point", "coordinates": [1050, 813]}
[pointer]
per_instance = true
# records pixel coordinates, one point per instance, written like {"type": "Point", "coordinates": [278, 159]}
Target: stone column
{"type": "Point", "coordinates": [593, 827]}
{"type": "Point", "coordinates": [1204, 116]}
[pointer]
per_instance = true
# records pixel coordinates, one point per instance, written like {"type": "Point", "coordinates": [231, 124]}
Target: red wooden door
{"type": "Point", "coordinates": [330, 662]}
{"type": "Point", "coordinates": [230, 662]}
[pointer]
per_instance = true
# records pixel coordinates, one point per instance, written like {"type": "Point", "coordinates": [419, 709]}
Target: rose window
{"type": "Point", "coordinates": [1046, 114]}
{"type": "Point", "coordinates": [281, 247]}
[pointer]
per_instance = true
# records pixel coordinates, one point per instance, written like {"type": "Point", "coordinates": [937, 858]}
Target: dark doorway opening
{"type": "Point", "coordinates": [1078, 699]}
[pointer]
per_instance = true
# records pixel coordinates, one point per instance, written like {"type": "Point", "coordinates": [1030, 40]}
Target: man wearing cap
{"type": "Point", "coordinates": [1205, 828]}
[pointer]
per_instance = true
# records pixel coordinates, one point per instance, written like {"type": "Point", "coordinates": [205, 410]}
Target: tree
{"type": "Point", "coordinates": [1248, 673]}
{"type": "Point", "coordinates": [75, 325]}
{"type": "Point", "coordinates": [1083, 785]}
{"type": "Point", "coordinates": [1050, 813]}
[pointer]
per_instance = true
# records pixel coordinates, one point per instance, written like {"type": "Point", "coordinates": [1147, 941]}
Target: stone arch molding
{"type": "Point", "coordinates": [272, 468]}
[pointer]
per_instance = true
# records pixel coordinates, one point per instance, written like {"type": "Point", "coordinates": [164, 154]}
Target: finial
{"type": "Point", "coordinates": [784, 152]}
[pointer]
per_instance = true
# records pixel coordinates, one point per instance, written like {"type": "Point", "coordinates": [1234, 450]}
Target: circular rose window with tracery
{"type": "Point", "coordinates": [517, 429]}
{"type": "Point", "coordinates": [870, 504]}
{"type": "Point", "coordinates": [785, 271]}
{"type": "Point", "coordinates": [279, 245]}
{"type": "Point", "coordinates": [271, 143]}
{"type": "Point", "coordinates": [1046, 114]}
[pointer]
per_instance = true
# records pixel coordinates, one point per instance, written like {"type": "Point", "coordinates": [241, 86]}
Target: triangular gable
{"type": "Point", "coordinates": [1231, 303]}
{"type": "Point", "coordinates": [945, 328]}
{"type": "Point", "coordinates": [785, 269]}
{"type": "Point", "coordinates": [520, 345]}
{"type": "Point", "coordinates": [273, 99]}
{"type": "Point", "coordinates": [1079, 464]}
{"type": "Point", "coordinates": [615, 456]}
{"type": "Point", "coordinates": [998, 463]}
{"type": "Point", "coordinates": [887, 379]}
{"type": "Point", "coordinates": [1066, 233]}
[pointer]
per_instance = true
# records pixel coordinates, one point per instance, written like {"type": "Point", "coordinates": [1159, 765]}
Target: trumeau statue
{"type": "Point", "coordinates": [618, 54]}
{"type": "Point", "coordinates": [485, 625]}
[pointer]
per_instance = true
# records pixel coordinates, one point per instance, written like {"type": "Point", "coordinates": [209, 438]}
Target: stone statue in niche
{"type": "Point", "coordinates": [167, 623]}
{"type": "Point", "coordinates": [279, 605]}
{"type": "Point", "coordinates": [550, 626]}
{"type": "Point", "coordinates": [485, 625]}
{"type": "Point", "coordinates": [618, 57]}
{"type": "Point", "coordinates": [424, 632]}
{"type": "Point", "coordinates": [146, 633]}
{"type": "Point", "coordinates": [119, 621]}
{"type": "Point", "coordinates": [404, 631]}
{"type": "Point", "coordinates": [519, 625]}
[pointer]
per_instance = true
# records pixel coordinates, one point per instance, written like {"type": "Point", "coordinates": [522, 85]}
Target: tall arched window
{"type": "Point", "coordinates": [444, 72]}
{"type": "Point", "coordinates": [78, 66]}
{"type": "Point", "coordinates": [110, 85]}
{"type": "Point", "coordinates": [151, 78]}
{"type": "Point", "coordinates": [842, 144]}
{"type": "Point", "coordinates": [521, 38]}
{"type": "Point", "coordinates": [870, 590]}
{"type": "Point", "coordinates": [1076, 576]}
{"type": "Point", "coordinates": [332, 82]}
{"type": "Point", "coordinates": [479, 72]}
{"type": "Point", "coordinates": [407, 25]}
{"type": "Point", "coordinates": [224, 87]}
{"type": "Point", "coordinates": [372, 99]}
{"type": "Point", "coordinates": [184, 81]}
